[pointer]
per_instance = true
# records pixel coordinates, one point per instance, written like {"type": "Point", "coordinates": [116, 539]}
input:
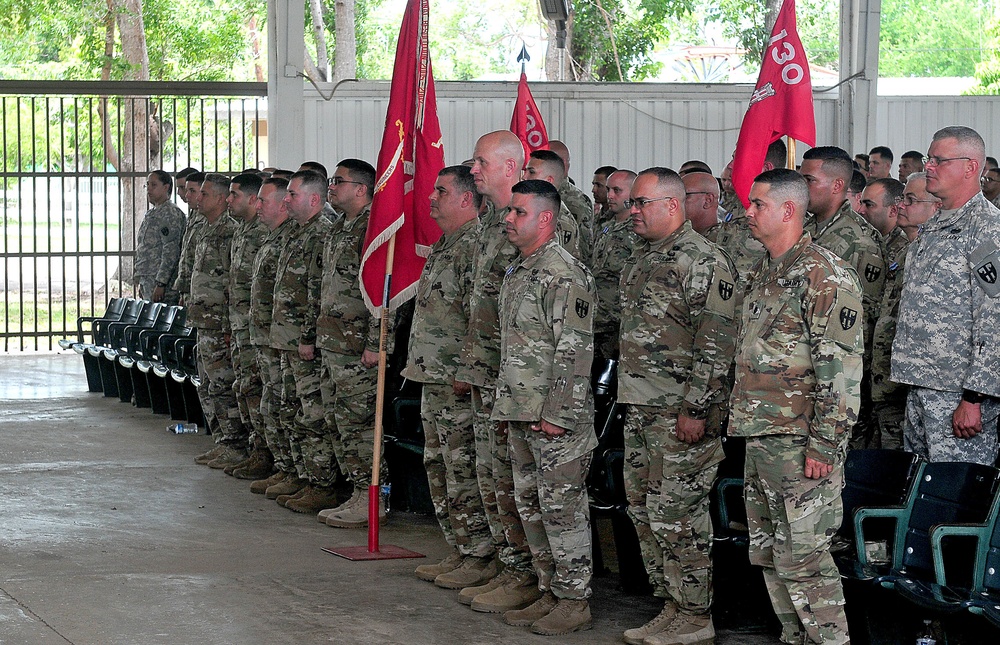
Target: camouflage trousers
{"type": "Point", "coordinates": [348, 391]}
{"type": "Point", "coordinates": [450, 461]}
{"type": "Point", "coordinates": [889, 417]}
{"type": "Point", "coordinates": [928, 430]}
{"type": "Point", "coordinates": [667, 484]}
{"type": "Point", "coordinates": [215, 369]}
{"type": "Point", "coordinates": [554, 508]}
{"type": "Point", "coordinates": [792, 521]}
{"type": "Point", "coordinates": [303, 419]}
{"type": "Point", "coordinates": [146, 286]}
{"type": "Point", "coordinates": [247, 386]}
{"type": "Point", "coordinates": [277, 439]}
{"type": "Point", "coordinates": [496, 483]}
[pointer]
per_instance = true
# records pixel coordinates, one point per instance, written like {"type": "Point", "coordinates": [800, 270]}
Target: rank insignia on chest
{"type": "Point", "coordinates": [848, 317]}
{"type": "Point", "coordinates": [582, 308]}
{"type": "Point", "coordinates": [567, 237]}
{"type": "Point", "coordinates": [164, 231]}
{"type": "Point", "coordinates": [755, 310]}
{"type": "Point", "coordinates": [987, 273]}
{"type": "Point", "coordinates": [872, 272]}
{"type": "Point", "coordinates": [725, 289]}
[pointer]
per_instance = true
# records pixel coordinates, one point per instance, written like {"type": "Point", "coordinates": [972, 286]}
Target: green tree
{"type": "Point", "coordinates": [943, 38]}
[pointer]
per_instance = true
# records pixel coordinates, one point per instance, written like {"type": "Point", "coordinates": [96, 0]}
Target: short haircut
{"type": "Point", "coordinates": [282, 173]}
{"type": "Point", "coordinates": [631, 174]}
{"type": "Point", "coordinates": [667, 179]}
{"type": "Point", "coordinates": [280, 183]}
{"type": "Point", "coordinates": [882, 151]}
{"type": "Point", "coordinates": [858, 181]}
{"type": "Point", "coordinates": [182, 174]}
{"type": "Point", "coordinates": [542, 189]}
{"type": "Point", "coordinates": [605, 171]}
{"type": "Point", "coordinates": [992, 162]}
{"type": "Point", "coordinates": [893, 190]}
{"type": "Point", "coordinates": [464, 181]}
{"type": "Point", "coordinates": [694, 166]}
{"type": "Point", "coordinates": [219, 181]}
{"type": "Point", "coordinates": [315, 166]}
{"type": "Point", "coordinates": [966, 137]}
{"type": "Point", "coordinates": [360, 171]}
{"type": "Point", "coordinates": [164, 178]}
{"type": "Point", "coordinates": [197, 177]}
{"type": "Point", "coordinates": [913, 154]}
{"type": "Point", "coordinates": [836, 161]}
{"type": "Point", "coordinates": [549, 157]}
{"type": "Point", "coordinates": [249, 183]}
{"type": "Point", "coordinates": [786, 184]}
{"type": "Point", "coordinates": [917, 175]}
{"type": "Point", "coordinates": [777, 153]}
{"type": "Point", "coordinates": [311, 180]}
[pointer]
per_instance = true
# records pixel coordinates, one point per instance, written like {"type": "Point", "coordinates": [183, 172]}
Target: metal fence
{"type": "Point", "coordinates": [73, 168]}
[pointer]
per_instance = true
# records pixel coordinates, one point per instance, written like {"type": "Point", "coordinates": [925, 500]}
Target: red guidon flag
{"type": "Point", "coordinates": [409, 160]}
{"type": "Point", "coordinates": [782, 103]}
{"type": "Point", "coordinates": [526, 122]}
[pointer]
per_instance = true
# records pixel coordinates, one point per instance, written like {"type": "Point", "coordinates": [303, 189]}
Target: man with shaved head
{"type": "Point", "coordinates": [575, 201]}
{"type": "Point", "coordinates": [701, 201]}
{"type": "Point", "coordinates": [947, 345]}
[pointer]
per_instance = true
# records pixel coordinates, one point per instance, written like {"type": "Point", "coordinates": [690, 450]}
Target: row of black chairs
{"type": "Point", "coordinates": [142, 352]}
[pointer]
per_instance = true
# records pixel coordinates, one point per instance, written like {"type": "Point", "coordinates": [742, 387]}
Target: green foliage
{"type": "Point", "coordinates": [988, 71]}
{"type": "Point", "coordinates": [818, 23]}
{"type": "Point", "coordinates": [930, 39]}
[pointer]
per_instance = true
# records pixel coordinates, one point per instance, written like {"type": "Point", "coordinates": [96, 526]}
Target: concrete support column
{"type": "Point", "coordinates": [859, 41]}
{"type": "Point", "coordinates": [285, 83]}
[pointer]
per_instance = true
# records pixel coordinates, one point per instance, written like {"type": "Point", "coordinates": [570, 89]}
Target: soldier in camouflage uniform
{"type": "Point", "coordinates": [547, 166]}
{"type": "Point", "coordinates": [274, 215]}
{"type": "Point", "coordinates": [543, 394]}
{"type": "Point", "coordinates": [440, 322]}
{"type": "Point", "coordinates": [192, 232]}
{"type": "Point", "coordinates": [991, 186]}
{"type": "Point", "coordinates": [575, 201]}
{"type": "Point", "coordinates": [498, 160]}
{"type": "Point", "coordinates": [947, 345]}
{"type": "Point", "coordinates": [293, 332]}
{"type": "Point", "coordinates": [795, 399]}
{"type": "Point", "coordinates": [677, 328]}
{"type": "Point", "coordinates": [208, 310]}
{"type": "Point", "coordinates": [348, 337]}
{"type": "Point", "coordinates": [701, 205]}
{"type": "Point", "coordinates": [836, 227]}
{"type": "Point", "coordinates": [249, 235]}
{"type": "Point", "coordinates": [158, 242]}
{"type": "Point", "coordinates": [599, 189]}
{"type": "Point", "coordinates": [880, 205]}
{"type": "Point", "coordinates": [613, 244]}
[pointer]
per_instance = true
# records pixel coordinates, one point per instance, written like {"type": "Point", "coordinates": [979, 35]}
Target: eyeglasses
{"type": "Point", "coordinates": [908, 200]}
{"type": "Point", "coordinates": [336, 181]}
{"type": "Point", "coordinates": [988, 180]}
{"type": "Point", "coordinates": [642, 202]}
{"type": "Point", "coordinates": [697, 192]}
{"type": "Point", "coordinates": [937, 161]}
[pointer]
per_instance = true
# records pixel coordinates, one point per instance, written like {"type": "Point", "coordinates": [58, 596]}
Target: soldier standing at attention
{"type": "Point", "coordinates": [192, 232]}
{"type": "Point", "coordinates": [795, 399]}
{"type": "Point", "coordinates": [677, 327]}
{"type": "Point", "coordinates": [158, 242]}
{"type": "Point", "coordinates": [947, 344]}
{"type": "Point", "coordinates": [543, 394]}
{"type": "Point", "coordinates": [440, 321]}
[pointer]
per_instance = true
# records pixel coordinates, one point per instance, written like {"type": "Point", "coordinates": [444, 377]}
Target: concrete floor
{"type": "Point", "coordinates": [110, 534]}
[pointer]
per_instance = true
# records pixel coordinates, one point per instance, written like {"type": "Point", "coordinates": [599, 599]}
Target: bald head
{"type": "Point", "coordinates": [701, 203]}
{"type": "Point", "coordinates": [558, 147]}
{"type": "Point", "coordinates": [496, 166]}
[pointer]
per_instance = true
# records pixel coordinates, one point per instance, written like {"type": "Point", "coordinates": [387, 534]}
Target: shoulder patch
{"type": "Point", "coordinates": [722, 293]}
{"type": "Point", "coordinates": [846, 320]}
{"type": "Point", "coordinates": [579, 309]}
{"type": "Point", "coordinates": [871, 268]}
{"type": "Point", "coordinates": [985, 266]}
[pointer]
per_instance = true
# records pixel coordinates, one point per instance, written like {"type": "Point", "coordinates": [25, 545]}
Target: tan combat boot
{"type": "Point", "coordinates": [260, 464]}
{"type": "Point", "coordinates": [467, 595]}
{"type": "Point", "coordinates": [228, 457]}
{"type": "Point", "coordinates": [258, 487]}
{"type": "Point", "coordinates": [206, 457]}
{"type": "Point", "coordinates": [637, 635]}
{"type": "Point", "coordinates": [473, 571]}
{"type": "Point", "coordinates": [327, 512]}
{"type": "Point", "coordinates": [318, 498]}
{"type": "Point", "coordinates": [517, 592]}
{"type": "Point", "coordinates": [430, 572]}
{"type": "Point", "coordinates": [533, 612]}
{"type": "Point", "coordinates": [568, 616]}
{"type": "Point", "coordinates": [284, 499]}
{"type": "Point", "coordinates": [290, 485]}
{"type": "Point", "coordinates": [686, 630]}
{"type": "Point", "coordinates": [355, 516]}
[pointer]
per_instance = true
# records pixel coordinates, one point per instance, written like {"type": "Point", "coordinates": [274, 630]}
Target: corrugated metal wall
{"type": "Point", "coordinates": [626, 125]}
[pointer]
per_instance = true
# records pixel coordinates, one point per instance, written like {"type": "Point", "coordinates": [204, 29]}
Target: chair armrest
{"type": "Point", "coordinates": [863, 513]}
{"type": "Point", "coordinates": [979, 531]}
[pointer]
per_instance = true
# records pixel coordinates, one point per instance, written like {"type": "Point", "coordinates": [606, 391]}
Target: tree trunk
{"type": "Point", "coordinates": [345, 57]}
{"type": "Point", "coordinates": [322, 68]}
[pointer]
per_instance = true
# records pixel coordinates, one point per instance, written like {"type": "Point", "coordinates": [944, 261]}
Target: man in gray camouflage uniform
{"type": "Point", "coordinates": [274, 215]}
{"type": "Point", "coordinates": [440, 322]}
{"type": "Point", "coordinates": [208, 310]}
{"type": "Point", "coordinates": [249, 235]}
{"type": "Point", "coordinates": [543, 394]}
{"type": "Point", "coordinates": [193, 230]}
{"type": "Point", "coordinates": [678, 295]}
{"type": "Point", "coordinates": [158, 242]}
{"type": "Point", "coordinates": [795, 399]}
{"type": "Point", "coordinates": [293, 333]}
{"type": "Point", "coordinates": [947, 345]}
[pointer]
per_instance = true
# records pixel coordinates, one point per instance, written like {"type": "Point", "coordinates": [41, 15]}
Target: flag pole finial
{"type": "Point", "coordinates": [523, 57]}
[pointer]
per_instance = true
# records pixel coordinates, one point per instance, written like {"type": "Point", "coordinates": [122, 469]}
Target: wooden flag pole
{"type": "Point", "coordinates": [790, 163]}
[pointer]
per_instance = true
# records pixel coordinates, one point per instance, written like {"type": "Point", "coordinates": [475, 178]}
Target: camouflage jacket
{"type": "Point", "coordinates": [582, 209]}
{"type": "Point", "coordinates": [297, 286]}
{"type": "Point", "coordinates": [799, 351]}
{"type": "Point", "coordinates": [265, 267]}
{"type": "Point", "coordinates": [894, 250]}
{"type": "Point", "coordinates": [493, 254]}
{"type": "Point", "coordinates": [441, 312]}
{"type": "Point", "coordinates": [569, 235]}
{"type": "Point", "coordinates": [208, 302]}
{"type": "Point", "coordinates": [947, 336]}
{"type": "Point", "coordinates": [246, 241]}
{"type": "Point", "coordinates": [613, 245]}
{"type": "Point", "coordinates": [677, 324]}
{"type": "Point", "coordinates": [196, 223]}
{"type": "Point", "coordinates": [547, 346]}
{"type": "Point", "coordinates": [733, 236]}
{"type": "Point", "coordinates": [158, 244]}
{"type": "Point", "coordinates": [854, 240]}
{"type": "Point", "coordinates": [344, 324]}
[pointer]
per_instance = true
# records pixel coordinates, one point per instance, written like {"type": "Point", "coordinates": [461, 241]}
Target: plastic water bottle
{"type": "Point", "coordinates": [183, 428]}
{"type": "Point", "coordinates": [385, 490]}
{"type": "Point", "coordinates": [927, 636]}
